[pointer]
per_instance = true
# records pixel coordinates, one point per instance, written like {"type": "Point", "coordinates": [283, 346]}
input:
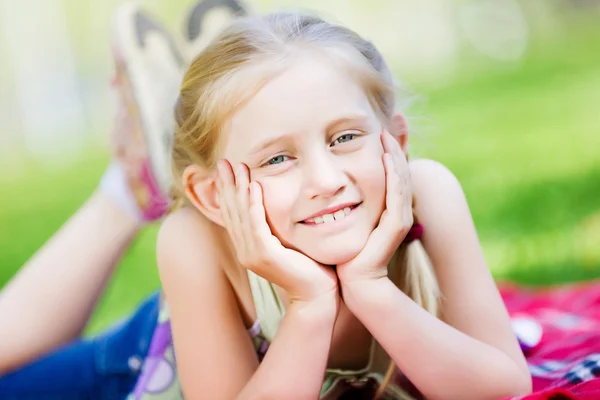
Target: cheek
{"type": "Point", "coordinates": [372, 180]}
{"type": "Point", "coordinates": [369, 174]}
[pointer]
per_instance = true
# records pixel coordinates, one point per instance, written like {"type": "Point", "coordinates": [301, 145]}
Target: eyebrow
{"type": "Point", "coordinates": [269, 142]}
{"type": "Point", "coordinates": [359, 117]}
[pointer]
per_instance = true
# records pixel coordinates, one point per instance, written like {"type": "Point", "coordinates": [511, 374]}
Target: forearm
{"type": "Point", "coordinates": [295, 363]}
{"type": "Point", "coordinates": [50, 299]}
{"type": "Point", "coordinates": [441, 361]}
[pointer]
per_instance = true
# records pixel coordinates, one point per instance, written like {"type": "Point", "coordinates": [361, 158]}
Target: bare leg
{"type": "Point", "coordinates": [51, 298]}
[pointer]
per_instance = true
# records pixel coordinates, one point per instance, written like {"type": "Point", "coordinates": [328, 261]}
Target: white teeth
{"type": "Point", "coordinates": [328, 218]}
{"type": "Point", "coordinates": [339, 215]}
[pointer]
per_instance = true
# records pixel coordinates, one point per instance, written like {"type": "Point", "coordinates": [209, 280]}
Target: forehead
{"type": "Point", "coordinates": [305, 97]}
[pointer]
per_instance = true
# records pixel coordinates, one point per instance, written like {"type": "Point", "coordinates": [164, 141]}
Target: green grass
{"type": "Point", "coordinates": [524, 142]}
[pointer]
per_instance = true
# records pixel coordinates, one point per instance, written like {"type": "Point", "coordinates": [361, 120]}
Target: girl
{"type": "Point", "coordinates": [301, 227]}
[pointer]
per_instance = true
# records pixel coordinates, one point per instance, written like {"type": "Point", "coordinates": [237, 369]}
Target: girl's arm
{"type": "Point", "coordinates": [472, 353]}
{"type": "Point", "coordinates": [215, 356]}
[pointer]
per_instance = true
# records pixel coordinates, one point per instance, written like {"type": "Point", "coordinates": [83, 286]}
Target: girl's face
{"type": "Point", "coordinates": [312, 140]}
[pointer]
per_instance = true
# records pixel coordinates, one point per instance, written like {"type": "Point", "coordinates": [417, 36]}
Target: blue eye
{"type": "Point", "coordinates": [276, 160]}
{"type": "Point", "coordinates": [344, 138]}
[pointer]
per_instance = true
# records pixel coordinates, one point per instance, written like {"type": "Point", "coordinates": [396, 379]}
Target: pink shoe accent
{"type": "Point", "coordinates": [153, 205]}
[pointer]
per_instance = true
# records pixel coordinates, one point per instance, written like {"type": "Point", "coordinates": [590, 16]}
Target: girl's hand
{"type": "Point", "coordinates": [257, 248]}
{"type": "Point", "coordinates": [395, 222]}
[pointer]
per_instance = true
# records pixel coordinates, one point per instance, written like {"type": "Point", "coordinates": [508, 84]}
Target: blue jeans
{"type": "Point", "coordinates": [104, 367]}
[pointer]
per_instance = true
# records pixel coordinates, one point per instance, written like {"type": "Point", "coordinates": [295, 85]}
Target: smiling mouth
{"type": "Point", "coordinates": [332, 217]}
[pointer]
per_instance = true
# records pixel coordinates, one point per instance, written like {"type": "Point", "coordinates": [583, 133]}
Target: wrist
{"type": "Point", "coordinates": [323, 306]}
{"type": "Point", "coordinates": [357, 292]}
{"type": "Point", "coordinates": [351, 276]}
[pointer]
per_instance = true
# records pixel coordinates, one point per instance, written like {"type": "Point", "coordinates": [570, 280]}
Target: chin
{"type": "Point", "coordinates": [335, 253]}
{"type": "Point", "coordinates": [334, 259]}
{"type": "Point", "coordinates": [329, 249]}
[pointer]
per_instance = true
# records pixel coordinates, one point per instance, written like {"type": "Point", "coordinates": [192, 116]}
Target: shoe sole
{"type": "Point", "coordinates": [127, 44]}
{"type": "Point", "coordinates": [206, 19]}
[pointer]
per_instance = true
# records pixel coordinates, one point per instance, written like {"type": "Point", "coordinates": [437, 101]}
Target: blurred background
{"type": "Point", "coordinates": [506, 93]}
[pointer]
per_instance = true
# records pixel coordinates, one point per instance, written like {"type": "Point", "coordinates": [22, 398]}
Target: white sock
{"type": "Point", "coordinates": [114, 185]}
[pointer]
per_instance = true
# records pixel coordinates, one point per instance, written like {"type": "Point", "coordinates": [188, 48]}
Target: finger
{"type": "Point", "coordinates": [391, 230]}
{"type": "Point", "coordinates": [398, 201]}
{"type": "Point", "coordinates": [258, 218]}
{"type": "Point", "coordinates": [236, 210]}
{"type": "Point", "coordinates": [399, 218]}
{"type": "Point", "coordinates": [400, 164]}
{"type": "Point", "coordinates": [391, 145]}
{"type": "Point", "coordinates": [223, 205]}
{"type": "Point", "coordinates": [405, 190]}
{"type": "Point", "coordinates": [220, 184]}
{"type": "Point", "coordinates": [380, 244]}
{"type": "Point", "coordinates": [242, 179]}
{"type": "Point", "coordinates": [228, 203]}
{"type": "Point", "coordinates": [393, 186]}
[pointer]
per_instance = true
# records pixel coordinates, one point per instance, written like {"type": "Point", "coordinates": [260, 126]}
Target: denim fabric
{"type": "Point", "coordinates": [104, 367]}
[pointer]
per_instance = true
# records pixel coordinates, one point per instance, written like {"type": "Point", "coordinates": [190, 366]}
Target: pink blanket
{"type": "Point", "coordinates": [565, 364]}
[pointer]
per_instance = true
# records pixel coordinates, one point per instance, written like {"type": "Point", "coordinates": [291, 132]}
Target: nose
{"type": "Point", "coordinates": [324, 175]}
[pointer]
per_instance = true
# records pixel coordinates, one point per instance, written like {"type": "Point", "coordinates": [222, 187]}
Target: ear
{"type": "Point", "coordinates": [200, 188]}
{"type": "Point", "coordinates": [400, 131]}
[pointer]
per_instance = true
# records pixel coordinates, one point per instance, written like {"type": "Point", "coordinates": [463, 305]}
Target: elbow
{"type": "Point", "coordinates": [515, 387]}
{"type": "Point", "coordinates": [285, 394]}
{"type": "Point", "coordinates": [517, 383]}
{"type": "Point", "coordinates": [522, 386]}
{"type": "Point", "coordinates": [271, 395]}
{"type": "Point", "coordinates": [274, 392]}
{"type": "Point", "coordinates": [506, 383]}
{"type": "Point", "coordinates": [514, 378]}
{"type": "Point", "coordinates": [522, 382]}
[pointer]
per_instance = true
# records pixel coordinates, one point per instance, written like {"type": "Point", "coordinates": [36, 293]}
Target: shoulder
{"type": "Point", "coordinates": [182, 223]}
{"type": "Point", "coordinates": [435, 187]}
{"type": "Point", "coordinates": [429, 176]}
{"type": "Point", "coordinates": [440, 204]}
{"type": "Point", "coordinates": [186, 239]}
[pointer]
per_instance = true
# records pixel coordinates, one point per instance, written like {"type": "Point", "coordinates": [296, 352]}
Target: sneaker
{"type": "Point", "coordinates": [148, 73]}
{"type": "Point", "coordinates": [205, 20]}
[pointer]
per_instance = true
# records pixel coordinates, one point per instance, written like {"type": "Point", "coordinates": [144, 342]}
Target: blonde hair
{"type": "Point", "coordinates": [235, 66]}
